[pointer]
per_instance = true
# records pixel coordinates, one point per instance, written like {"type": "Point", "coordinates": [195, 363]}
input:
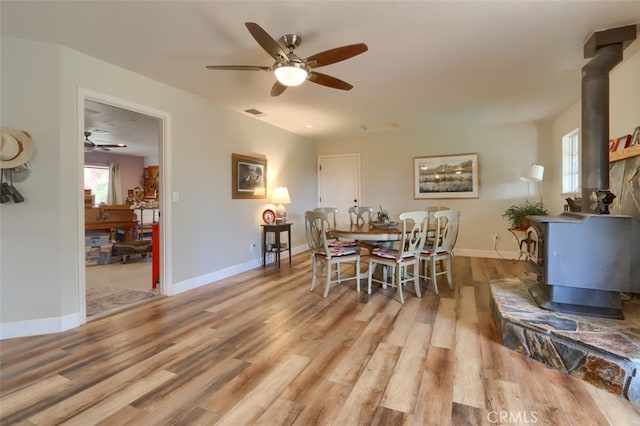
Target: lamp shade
{"type": "Point", "coordinates": [291, 74]}
{"type": "Point", "coordinates": [533, 173]}
{"type": "Point", "coordinates": [280, 195]}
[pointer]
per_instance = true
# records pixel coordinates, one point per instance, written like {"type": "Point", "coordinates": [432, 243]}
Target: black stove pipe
{"type": "Point", "coordinates": [605, 48]}
{"type": "Point", "coordinates": [595, 122]}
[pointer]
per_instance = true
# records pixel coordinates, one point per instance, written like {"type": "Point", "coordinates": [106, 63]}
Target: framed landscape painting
{"type": "Point", "coordinates": [249, 176]}
{"type": "Point", "coordinates": [449, 176]}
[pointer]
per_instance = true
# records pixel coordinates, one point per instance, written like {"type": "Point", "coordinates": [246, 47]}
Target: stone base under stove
{"type": "Point", "coordinates": [603, 352]}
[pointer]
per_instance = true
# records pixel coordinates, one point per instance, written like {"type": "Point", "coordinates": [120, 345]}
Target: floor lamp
{"type": "Point", "coordinates": [533, 173]}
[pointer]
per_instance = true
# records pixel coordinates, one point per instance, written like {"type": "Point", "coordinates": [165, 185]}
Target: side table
{"type": "Point", "coordinates": [526, 243]}
{"type": "Point", "coordinates": [276, 247]}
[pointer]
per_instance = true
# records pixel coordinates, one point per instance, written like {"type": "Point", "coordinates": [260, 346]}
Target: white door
{"type": "Point", "coordinates": [339, 183]}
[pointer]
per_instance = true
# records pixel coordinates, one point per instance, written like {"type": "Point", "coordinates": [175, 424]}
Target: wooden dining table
{"type": "Point", "coordinates": [366, 232]}
{"type": "Point", "coordinates": [369, 232]}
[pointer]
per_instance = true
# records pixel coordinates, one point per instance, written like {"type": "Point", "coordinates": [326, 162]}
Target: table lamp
{"type": "Point", "coordinates": [279, 197]}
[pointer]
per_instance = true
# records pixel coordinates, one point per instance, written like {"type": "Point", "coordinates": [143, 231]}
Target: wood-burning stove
{"type": "Point", "coordinates": [584, 261]}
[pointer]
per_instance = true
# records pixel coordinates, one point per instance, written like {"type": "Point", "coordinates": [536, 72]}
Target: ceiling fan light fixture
{"type": "Point", "coordinates": [291, 74]}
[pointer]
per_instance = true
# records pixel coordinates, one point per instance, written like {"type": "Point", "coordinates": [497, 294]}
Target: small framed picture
{"type": "Point", "coordinates": [249, 176]}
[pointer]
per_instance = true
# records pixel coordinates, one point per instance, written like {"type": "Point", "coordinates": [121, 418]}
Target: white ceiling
{"type": "Point", "coordinates": [428, 63]}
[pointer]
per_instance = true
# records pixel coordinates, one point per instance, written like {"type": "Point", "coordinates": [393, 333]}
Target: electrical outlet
{"type": "Point", "coordinates": [496, 238]}
{"type": "Point", "coordinates": [252, 247]}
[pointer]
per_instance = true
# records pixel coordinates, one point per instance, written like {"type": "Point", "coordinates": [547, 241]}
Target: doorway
{"type": "Point", "coordinates": [339, 183]}
{"type": "Point", "coordinates": [131, 136]}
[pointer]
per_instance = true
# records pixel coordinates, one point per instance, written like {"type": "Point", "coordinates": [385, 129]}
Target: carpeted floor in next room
{"type": "Point", "coordinates": [106, 299]}
{"type": "Point", "coordinates": [117, 286]}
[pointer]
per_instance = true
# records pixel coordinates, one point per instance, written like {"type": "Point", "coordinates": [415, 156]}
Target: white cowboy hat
{"type": "Point", "coordinates": [15, 148]}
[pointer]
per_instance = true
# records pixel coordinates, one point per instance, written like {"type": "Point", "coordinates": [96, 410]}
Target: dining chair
{"type": "Point", "coordinates": [323, 256]}
{"type": "Point", "coordinates": [332, 213]}
{"type": "Point", "coordinates": [398, 260]}
{"type": "Point", "coordinates": [359, 215]}
{"type": "Point", "coordinates": [439, 250]}
{"type": "Point", "coordinates": [432, 221]}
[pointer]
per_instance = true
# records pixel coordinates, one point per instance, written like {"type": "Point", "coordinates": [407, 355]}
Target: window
{"type": "Point", "coordinates": [96, 178]}
{"type": "Point", "coordinates": [571, 162]}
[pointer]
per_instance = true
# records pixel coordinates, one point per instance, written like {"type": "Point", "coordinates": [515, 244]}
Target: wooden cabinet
{"type": "Point", "coordinates": [151, 177]}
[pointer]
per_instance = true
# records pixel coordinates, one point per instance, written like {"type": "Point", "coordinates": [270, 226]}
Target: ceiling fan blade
{"type": "Point", "coordinates": [266, 41]}
{"type": "Point", "coordinates": [327, 80]}
{"type": "Point", "coordinates": [111, 145]}
{"type": "Point", "coordinates": [338, 54]}
{"type": "Point", "coordinates": [278, 88]}
{"type": "Point", "coordinates": [239, 67]}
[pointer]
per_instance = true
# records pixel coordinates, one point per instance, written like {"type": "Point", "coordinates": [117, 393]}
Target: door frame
{"type": "Point", "coordinates": [165, 190]}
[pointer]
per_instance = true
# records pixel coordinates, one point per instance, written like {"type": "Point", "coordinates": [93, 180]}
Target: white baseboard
{"type": "Point", "coordinates": [36, 327]}
{"type": "Point", "coordinates": [221, 274]}
{"type": "Point", "coordinates": [491, 254]}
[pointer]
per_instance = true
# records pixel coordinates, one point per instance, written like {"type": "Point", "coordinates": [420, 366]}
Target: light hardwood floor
{"type": "Point", "coordinates": [259, 348]}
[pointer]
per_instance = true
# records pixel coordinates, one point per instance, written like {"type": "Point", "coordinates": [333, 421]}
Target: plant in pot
{"type": "Point", "coordinates": [382, 216]}
{"type": "Point", "coordinates": [517, 213]}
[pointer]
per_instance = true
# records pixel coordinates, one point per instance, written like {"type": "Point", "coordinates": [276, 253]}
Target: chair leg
{"type": "Point", "coordinates": [398, 280]}
{"type": "Point", "coordinates": [384, 276]}
{"type": "Point", "coordinates": [314, 272]}
{"type": "Point", "coordinates": [448, 266]}
{"type": "Point", "coordinates": [358, 275]}
{"type": "Point", "coordinates": [434, 274]}
{"type": "Point", "coordinates": [328, 281]}
{"type": "Point", "coordinates": [416, 278]}
{"type": "Point", "coordinates": [370, 275]}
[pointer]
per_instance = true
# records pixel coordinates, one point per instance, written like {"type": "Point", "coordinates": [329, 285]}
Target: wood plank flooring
{"type": "Point", "coordinates": [260, 348]}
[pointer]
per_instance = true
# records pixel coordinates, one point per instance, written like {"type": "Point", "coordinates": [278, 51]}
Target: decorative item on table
{"type": "Point", "coordinates": [268, 216]}
{"type": "Point", "coordinates": [382, 215]}
{"type": "Point", "coordinates": [279, 197]}
{"type": "Point", "coordinates": [383, 219]}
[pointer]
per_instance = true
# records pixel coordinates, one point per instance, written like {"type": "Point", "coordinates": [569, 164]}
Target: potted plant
{"type": "Point", "coordinates": [382, 216]}
{"type": "Point", "coordinates": [517, 214]}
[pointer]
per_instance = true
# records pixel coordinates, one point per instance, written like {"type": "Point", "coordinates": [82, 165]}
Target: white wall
{"type": "Point", "coordinates": [387, 175]}
{"type": "Point", "coordinates": [39, 250]}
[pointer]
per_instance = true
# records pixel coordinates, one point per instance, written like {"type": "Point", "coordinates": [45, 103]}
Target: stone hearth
{"type": "Point", "coordinates": [603, 352]}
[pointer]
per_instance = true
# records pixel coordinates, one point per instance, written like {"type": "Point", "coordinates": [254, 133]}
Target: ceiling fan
{"type": "Point", "coordinates": [289, 69]}
{"type": "Point", "coordinates": [91, 146]}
